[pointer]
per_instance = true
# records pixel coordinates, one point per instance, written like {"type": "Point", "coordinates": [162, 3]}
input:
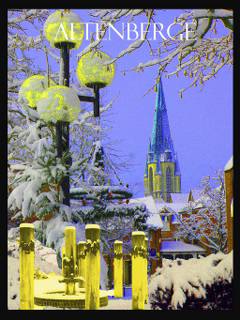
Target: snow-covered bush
{"type": "Point", "coordinates": [204, 283]}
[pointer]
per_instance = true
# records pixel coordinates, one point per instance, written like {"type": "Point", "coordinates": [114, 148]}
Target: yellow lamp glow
{"type": "Point", "coordinates": [91, 69]}
{"type": "Point", "coordinates": [32, 88]}
{"type": "Point", "coordinates": [59, 103]}
{"type": "Point", "coordinates": [64, 27]}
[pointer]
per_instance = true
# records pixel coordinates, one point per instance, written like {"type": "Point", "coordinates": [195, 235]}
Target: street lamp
{"type": "Point", "coordinates": [63, 27]}
{"type": "Point", "coordinates": [59, 103]}
{"type": "Point", "coordinates": [64, 30]}
{"type": "Point", "coordinates": [32, 89]}
{"type": "Point", "coordinates": [94, 72]}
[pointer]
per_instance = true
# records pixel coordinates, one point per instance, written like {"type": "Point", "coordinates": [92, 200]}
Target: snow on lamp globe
{"type": "Point", "coordinates": [58, 103]}
{"type": "Point", "coordinates": [32, 89]}
{"type": "Point", "coordinates": [92, 69]}
{"type": "Point", "coordinates": [64, 27]}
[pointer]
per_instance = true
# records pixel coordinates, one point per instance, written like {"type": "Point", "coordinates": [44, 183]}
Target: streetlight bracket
{"type": "Point", "coordinates": [94, 99]}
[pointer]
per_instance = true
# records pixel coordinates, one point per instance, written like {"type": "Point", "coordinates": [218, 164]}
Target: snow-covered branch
{"type": "Point", "coordinates": [207, 225]}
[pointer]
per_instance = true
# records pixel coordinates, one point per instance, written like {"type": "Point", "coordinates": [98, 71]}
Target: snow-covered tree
{"type": "Point", "coordinates": [36, 192]}
{"type": "Point", "coordinates": [32, 141]}
{"type": "Point", "coordinates": [200, 58]}
{"type": "Point", "coordinates": [205, 219]}
{"type": "Point", "coordinates": [20, 66]}
{"type": "Point", "coordinates": [108, 207]}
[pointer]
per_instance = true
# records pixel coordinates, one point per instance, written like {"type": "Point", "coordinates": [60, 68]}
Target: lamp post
{"type": "Point", "coordinates": [64, 30]}
{"type": "Point", "coordinates": [58, 31]}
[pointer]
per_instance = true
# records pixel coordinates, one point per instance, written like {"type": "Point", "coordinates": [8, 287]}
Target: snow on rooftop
{"type": "Point", "coordinates": [170, 207]}
{"type": "Point", "coordinates": [179, 197]}
{"type": "Point", "coordinates": [148, 201]}
{"type": "Point", "coordinates": [155, 221]}
{"type": "Point", "coordinates": [229, 164]}
{"type": "Point", "coordinates": [99, 189]}
{"type": "Point", "coordinates": [179, 246]}
{"type": "Point", "coordinates": [196, 193]}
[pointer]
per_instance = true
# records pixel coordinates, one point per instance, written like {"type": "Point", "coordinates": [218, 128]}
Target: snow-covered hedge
{"type": "Point", "coordinates": [204, 283]}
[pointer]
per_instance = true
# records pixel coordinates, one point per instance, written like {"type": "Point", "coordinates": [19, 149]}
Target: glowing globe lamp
{"type": "Point", "coordinates": [64, 27]}
{"type": "Point", "coordinates": [32, 88]}
{"type": "Point", "coordinates": [58, 103]}
{"type": "Point", "coordinates": [93, 70]}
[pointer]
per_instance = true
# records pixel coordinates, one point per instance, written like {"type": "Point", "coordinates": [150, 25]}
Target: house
{"type": "Point", "coordinates": [228, 179]}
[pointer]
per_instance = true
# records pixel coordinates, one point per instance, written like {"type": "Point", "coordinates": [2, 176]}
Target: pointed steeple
{"type": "Point", "coordinates": [190, 196]}
{"type": "Point", "coordinates": [162, 164]}
{"type": "Point", "coordinates": [161, 136]}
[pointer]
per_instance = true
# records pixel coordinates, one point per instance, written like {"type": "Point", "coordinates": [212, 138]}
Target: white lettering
{"type": "Point", "coordinates": [168, 30]}
{"type": "Point", "coordinates": [188, 31]}
{"type": "Point", "coordinates": [132, 30]}
{"type": "Point", "coordinates": [111, 27]}
{"type": "Point", "coordinates": [87, 29]}
{"type": "Point", "coordinates": [159, 31]}
{"type": "Point", "coordinates": [144, 32]}
{"type": "Point", "coordinates": [63, 30]}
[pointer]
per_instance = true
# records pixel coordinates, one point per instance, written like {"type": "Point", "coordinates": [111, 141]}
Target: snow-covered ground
{"type": "Point", "coordinates": [45, 260]}
{"type": "Point", "coordinates": [13, 288]}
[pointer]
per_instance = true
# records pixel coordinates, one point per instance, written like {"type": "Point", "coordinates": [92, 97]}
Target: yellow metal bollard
{"type": "Point", "coordinates": [118, 269]}
{"type": "Point", "coordinates": [146, 270]}
{"type": "Point", "coordinates": [69, 261]}
{"type": "Point", "coordinates": [138, 270]}
{"type": "Point", "coordinates": [92, 267]}
{"type": "Point", "coordinates": [26, 266]}
{"type": "Point", "coordinates": [63, 255]}
{"type": "Point", "coordinates": [81, 257]}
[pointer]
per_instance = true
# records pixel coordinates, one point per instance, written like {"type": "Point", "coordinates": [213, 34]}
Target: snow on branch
{"type": "Point", "coordinates": [193, 284]}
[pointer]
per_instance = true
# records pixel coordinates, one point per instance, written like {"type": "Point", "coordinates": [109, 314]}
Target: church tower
{"type": "Point", "coordinates": [162, 173]}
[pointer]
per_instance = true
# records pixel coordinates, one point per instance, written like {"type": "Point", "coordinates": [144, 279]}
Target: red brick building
{"type": "Point", "coordinates": [228, 179]}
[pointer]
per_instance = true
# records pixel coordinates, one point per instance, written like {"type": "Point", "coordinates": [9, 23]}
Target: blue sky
{"type": "Point", "coordinates": [200, 123]}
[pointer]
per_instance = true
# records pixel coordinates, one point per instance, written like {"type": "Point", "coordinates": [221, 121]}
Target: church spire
{"type": "Point", "coordinates": [162, 174]}
{"type": "Point", "coordinates": [161, 137]}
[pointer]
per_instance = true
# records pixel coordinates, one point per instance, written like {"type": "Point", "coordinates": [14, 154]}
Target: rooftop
{"type": "Point", "coordinates": [229, 164]}
{"type": "Point", "coordinates": [148, 201]}
{"type": "Point", "coordinates": [155, 221]}
{"type": "Point", "coordinates": [180, 246]}
{"type": "Point", "coordinates": [179, 197]}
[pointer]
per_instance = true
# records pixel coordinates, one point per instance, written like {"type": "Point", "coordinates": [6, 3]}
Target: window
{"type": "Point", "coordinates": [184, 256]}
{"type": "Point", "coordinates": [167, 256]}
{"type": "Point", "coordinates": [150, 181]}
{"type": "Point", "coordinates": [168, 180]}
{"type": "Point", "coordinates": [166, 224]}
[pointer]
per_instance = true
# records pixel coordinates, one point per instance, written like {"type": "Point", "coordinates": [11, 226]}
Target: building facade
{"type": "Point", "coordinates": [162, 173]}
{"type": "Point", "coordinates": [228, 179]}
